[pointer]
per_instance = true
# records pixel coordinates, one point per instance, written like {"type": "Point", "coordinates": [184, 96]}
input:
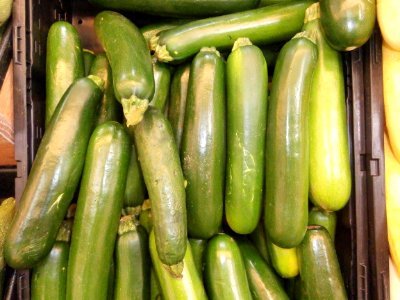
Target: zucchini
{"type": "Point", "coordinates": [330, 175]}
{"type": "Point", "coordinates": [132, 278]}
{"type": "Point", "coordinates": [49, 277]}
{"type": "Point", "coordinates": [264, 25]}
{"type": "Point", "coordinates": [177, 101]}
{"type": "Point", "coordinates": [327, 219]}
{"type": "Point", "coordinates": [150, 30]}
{"type": "Point", "coordinates": [283, 260]}
{"type": "Point", "coordinates": [347, 24]}
{"type": "Point", "coordinates": [88, 58]}
{"type": "Point", "coordinates": [64, 63]}
{"type": "Point", "coordinates": [98, 210]}
{"type": "Point", "coordinates": [181, 8]}
{"type": "Point", "coordinates": [263, 282]}
{"type": "Point", "coordinates": [319, 266]}
{"type": "Point", "coordinates": [162, 80]}
{"type": "Point", "coordinates": [110, 109]}
{"type": "Point", "coordinates": [259, 240]}
{"type": "Point", "coordinates": [198, 246]}
{"type": "Point", "coordinates": [54, 176]}
{"type": "Point", "coordinates": [203, 144]}
{"type": "Point", "coordinates": [130, 62]}
{"type": "Point", "coordinates": [155, 290]}
{"type": "Point", "coordinates": [247, 78]}
{"type": "Point", "coordinates": [287, 163]}
{"type": "Point", "coordinates": [111, 280]}
{"type": "Point", "coordinates": [162, 172]}
{"type": "Point", "coordinates": [225, 272]}
{"type": "Point", "coordinates": [263, 3]}
{"type": "Point", "coordinates": [145, 217]}
{"type": "Point", "coordinates": [177, 282]}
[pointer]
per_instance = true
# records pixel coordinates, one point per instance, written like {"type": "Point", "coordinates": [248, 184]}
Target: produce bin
{"type": "Point", "coordinates": [361, 240]}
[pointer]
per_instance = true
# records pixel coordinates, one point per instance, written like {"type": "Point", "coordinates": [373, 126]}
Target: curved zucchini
{"type": "Point", "coordinates": [88, 57]}
{"type": "Point", "coordinates": [319, 266]}
{"type": "Point", "coordinates": [64, 63]}
{"type": "Point", "coordinates": [198, 247]}
{"type": "Point", "coordinates": [54, 176]}
{"type": "Point", "coordinates": [317, 216]}
{"type": "Point", "coordinates": [225, 272]}
{"type": "Point", "coordinates": [287, 163]}
{"type": "Point", "coordinates": [162, 80]}
{"type": "Point", "coordinates": [264, 25]}
{"type": "Point", "coordinates": [247, 78]}
{"type": "Point", "coordinates": [130, 62]}
{"type": "Point", "coordinates": [49, 277]}
{"type": "Point", "coordinates": [330, 175]}
{"type": "Point", "coordinates": [132, 278]}
{"type": "Point", "coordinates": [284, 260]}
{"type": "Point", "coordinates": [177, 101]}
{"type": "Point", "coordinates": [203, 144]}
{"type": "Point", "coordinates": [98, 210]}
{"type": "Point", "coordinates": [347, 24]}
{"type": "Point", "coordinates": [162, 172]}
{"type": "Point", "coordinates": [263, 282]}
{"type": "Point", "coordinates": [177, 282]}
{"type": "Point", "coordinates": [110, 109]}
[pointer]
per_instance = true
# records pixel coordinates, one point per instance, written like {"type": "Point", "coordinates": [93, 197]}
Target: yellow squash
{"type": "Point", "coordinates": [388, 13]}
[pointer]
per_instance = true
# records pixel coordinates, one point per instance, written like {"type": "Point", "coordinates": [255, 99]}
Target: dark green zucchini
{"type": "Point", "coordinates": [347, 24]}
{"type": "Point", "coordinates": [198, 246]}
{"type": "Point", "coordinates": [263, 3]}
{"type": "Point", "coordinates": [181, 8]}
{"type": "Point", "coordinates": [111, 280]}
{"type": "Point", "coordinates": [246, 84]}
{"type": "Point", "coordinates": [319, 266]}
{"type": "Point", "coordinates": [110, 109]}
{"type": "Point", "coordinates": [162, 80]}
{"type": "Point", "coordinates": [64, 63]}
{"type": "Point", "coordinates": [159, 158]}
{"type": "Point", "coordinates": [54, 176]}
{"type": "Point", "coordinates": [155, 290]}
{"type": "Point", "coordinates": [145, 217]}
{"type": "Point", "coordinates": [177, 100]}
{"type": "Point", "coordinates": [287, 163]}
{"type": "Point", "coordinates": [132, 278]}
{"type": "Point", "coordinates": [327, 219]}
{"type": "Point", "coordinates": [88, 58]}
{"type": "Point", "coordinates": [177, 282]}
{"type": "Point", "coordinates": [49, 277]}
{"type": "Point", "coordinates": [98, 210]}
{"type": "Point", "coordinates": [264, 25]}
{"type": "Point", "coordinates": [130, 62]}
{"type": "Point", "coordinates": [154, 29]}
{"type": "Point", "coordinates": [259, 240]}
{"type": "Point", "coordinates": [203, 144]}
{"type": "Point", "coordinates": [263, 282]}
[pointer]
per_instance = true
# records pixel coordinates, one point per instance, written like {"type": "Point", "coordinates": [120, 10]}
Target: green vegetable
{"type": "Point", "coordinates": [198, 247]}
{"type": "Point", "coordinates": [162, 80]}
{"type": "Point", "coordinates": [327, 219]}
{"type": "Point", "coordinates": [154, 286]}
{"type": "Point", "coordinates": [88, 58]}
{"type": "Point", "coordinates": [146, 218]}
{"type": "Point", "coordinates": [283, 260]}
{"type": "Point", "coordinates": [154, 29]}
{"type": "Point", "coordinates": [259, 240]}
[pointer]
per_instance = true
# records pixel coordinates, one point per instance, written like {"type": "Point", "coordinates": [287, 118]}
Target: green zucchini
{"type": "Point", "coordinates": [264, 25]}
{"type": "Point", "coordinates": [64, 63]}
{"type": "Point", "coordinates": [177, 101]}
{"type": "Point", "coordinates": [203, 144]}
{"type": "Point", "coordinates": [263, 3]}
{"type": "Point", "coordinates": [263, 282]}
{"type": "Point", "coordinates": [132, 278]}
{"type": "Point", "coordinates": [247, 78]}
{"type": "Point", "coordinates": [330, 175]}
{"type": "Point", "coordinates": [162, 80]}
{"type": "Point", "coordinates": [225, 272]}
{"type": "Point", "coordinates": [300, 289]}
{"type": "Point", "coordinates": [155, 290]}
{"type": "Point", "coordinates": [162, 172]}
{"type": "Point", "coordinates": [54, 176]}
{"type": "Point", "coordinates": [88, 58]}
{"type": "Point", "coordinates": [347, 25]}
{"type": "Point", "coordinates": [317, 216]}
{"type": "Point", "coordinates": [287, 163]}
{"type": "Point", "coordinates": [181, 8]}
{"type": "Point", "coordinates": [130, 62]}
{"type": "Point", "coordinates": [259, 240]}
{"type": "Point", "coordinates": [110, 109]}
{"type": "Point", "coordinates": [145, 217]}
{"type": "Point", "coordinates": [177, 282]}
{"type": "Point", "coordinates": [319, 266]}
{"type": "Point", "coordinates": [283, 260]}
{"type": "Point", "coordinates": [98, 210]}
{"type": "Point", "coordinates": [49, 277]}
{"type": "Point", "coordinates": [198, 247]}
{"type": "Point", "coordinates": [153, 29]}
{"type": "Point", "coordinates": [111, 280]}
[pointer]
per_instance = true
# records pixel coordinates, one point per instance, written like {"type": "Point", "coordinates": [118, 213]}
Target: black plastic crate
{"type": "Point", "coordinates": [361, 235]}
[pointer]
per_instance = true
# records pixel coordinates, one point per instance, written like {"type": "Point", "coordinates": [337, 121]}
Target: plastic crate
{"type": "Point", "coordinates": [360, 250]}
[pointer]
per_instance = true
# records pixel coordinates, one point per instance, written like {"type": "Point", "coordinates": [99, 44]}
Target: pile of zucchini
{"type": "Point", "coordinates": [174, 167]}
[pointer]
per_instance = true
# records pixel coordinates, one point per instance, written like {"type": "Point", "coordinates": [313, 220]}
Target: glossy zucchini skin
{"type": "Point", "coordinates": [88, 57]}
{"type": "Point", "coordinates": [145, 217]}
{"type": "Point", "coordinates": [263, 282]}
{"type": "Point", "coordinates": [327, 219]}
{"type": "Point", "coordinates": [159, 158]}
{"type": "Point", "coordinates": [225, 272]}
{"type": "Point", "coordinates": [98, 210]}
{"type": "Point", "coordinates": [110, 109]}
{"type": "Point", "coordinates": [177, 282]}
{"type": "Point", "coordinates": [203, 146]}
{"type": "Point", "coordinates": [132, 278]}
{"type": "Point", "coordinates": [162, 80]}
{"type": "Point", "coordinates": [347, 24]}
{"type": "Point", "coordinates": [54, 176]}
{"type": "Point", "coordinates": [153, 29]}
{"type": "Point", "coordinates": [64, 63]}
{"type": "Point", "coordinates": [198, 247]}
{"type": "Point", "coordinates": [264, 25]}
{"type": "Point", "coordinates": [177, 101]}
{"type": "Point", "coordinates": [130, 62]}
{"type": "Point", "coordinates": [247, 78]}
{"type": "Point", "coordinates": [287, 149]}
{"type": "Point", "coordinates": [319, 267]}
{"type": "Point", "coordinates": [181, 8]}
